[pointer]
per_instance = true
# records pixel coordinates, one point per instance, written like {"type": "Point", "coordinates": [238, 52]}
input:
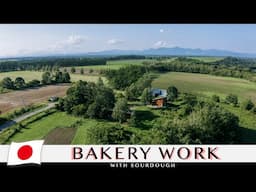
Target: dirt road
{"type": "Point", "coordinates": [25, 116]}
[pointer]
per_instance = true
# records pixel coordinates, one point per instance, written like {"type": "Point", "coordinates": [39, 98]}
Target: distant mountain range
{"type": "Point", "coordinates": [164, 51]}
{"type": "Point", "coordinates": [173, 52]}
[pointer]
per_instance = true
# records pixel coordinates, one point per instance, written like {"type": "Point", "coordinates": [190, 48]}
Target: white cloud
{"type": "Point", "coordinates": [161, 30]}
{"type": "Point", "coordinates": [160, 44]}
{"type": "Point", "coordinates": [73, 41]}
{"type": "Point", "coordinates": [115, 41]}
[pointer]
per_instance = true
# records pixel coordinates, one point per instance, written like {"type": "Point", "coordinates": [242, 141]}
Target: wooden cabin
{"type": "Point", "coordinates": [159, 102]}
{"type": "Point", "coordinates": [159, 98]}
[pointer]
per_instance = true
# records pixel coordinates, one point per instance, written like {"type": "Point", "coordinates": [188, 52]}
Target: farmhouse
{"type": "Point", "coordinates": [159, 98]}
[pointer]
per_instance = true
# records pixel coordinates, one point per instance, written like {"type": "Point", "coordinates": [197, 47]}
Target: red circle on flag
{"type": "Point", "coordinates": [25, 152]}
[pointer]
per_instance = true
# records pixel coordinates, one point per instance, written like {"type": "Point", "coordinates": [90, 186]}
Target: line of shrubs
{"type": "Point", "coordinates": [8, 133]}
{"type": "Point", "coordinates": [233, 100]}
{"type": "Point", "coordinates": [47, 79]}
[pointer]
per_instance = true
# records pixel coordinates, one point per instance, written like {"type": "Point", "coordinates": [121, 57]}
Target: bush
{"type": "Point", "coordinates": [79, 110]}
{"type": "Point", "coordinates": [216, 98]}
{"type": "Point", "coordinates": [133, 121]}
{"type": "Point", "coordinates": [73, 70]}
{"type": "Point", "coordinates": [109, 134]}
{"type": "Point", "coordinates": [211, 124]}
{"type": "Point", "coordinates": [172, 93]}
{"type": "Point", "coordinates": [247, 105]}
{"type": "Point", "coordinates": [120, 110]}
{"type": "Point", "coordinates": [60, 105]}
{"type": "Point", "coordinates": [232, 99]}
{"type": "Point", "coordinates": [254, 110]}
{"type": "Point", "coordinates": [146, 96]}
{"type": "Point", "coordinates": [23, 110]}
{"type": "Point", "coordinates": [33, 83]}
{"type": "Point", "coordinates": [150, 137]}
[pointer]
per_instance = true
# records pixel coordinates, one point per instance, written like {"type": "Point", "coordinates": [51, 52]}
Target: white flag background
{"type": "Point", "coordinates": [36, 152]}
{"type": "Point", "coordinates": [26, 152]}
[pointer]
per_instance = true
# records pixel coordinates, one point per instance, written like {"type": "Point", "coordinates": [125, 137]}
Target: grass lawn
{"type": "Point", "coordinates": [207, 84]}
{"type": "Point", "coordinates": [247, 120]}
{"type": "Point", "coordinates": [40, 128]}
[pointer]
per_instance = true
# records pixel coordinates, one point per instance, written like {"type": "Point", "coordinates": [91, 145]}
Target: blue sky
{"type": "Point", "coordinates": [38, 39]}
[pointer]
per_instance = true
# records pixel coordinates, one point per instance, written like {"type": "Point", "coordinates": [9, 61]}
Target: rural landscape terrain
{"type": "Point", "coordinates": [128, 84]}
{"type": "Point", "coordinates": [207, 100]}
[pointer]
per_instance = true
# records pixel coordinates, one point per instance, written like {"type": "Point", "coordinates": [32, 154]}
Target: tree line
{"type": "Point", "coordinates": [49, 64]}
{"type": "Point", "coordinates": [127, 76]}
{"type": "Point", "coordinates": [195, 66]}
{"type": "Point", "coordinates": [47, 79]}
{"type": "Point", "coordinates": [126, 57]}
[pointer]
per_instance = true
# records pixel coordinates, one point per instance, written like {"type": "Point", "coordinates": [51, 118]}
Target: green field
{"type": "Point", "coordinates": [27, 75]}
{"type": "Point", "coordinates": [128, 62]}
{"type": "Point", "coordinates": [92, 78]}
{"type": "Point", "coordinates": [114, 64]}
{"type": "Point", "coordinates": [81, 133]}
{"type": "Point", "coordinates": [30, 75]}
{"type": "Point", "coordinates": [40, 128]}
{"type": "Point", "coordinates": [208, 59]}
{"type": "Point", "coordinates": [207, 84]}
{"type": "Point", "coordinates": [57, 129]}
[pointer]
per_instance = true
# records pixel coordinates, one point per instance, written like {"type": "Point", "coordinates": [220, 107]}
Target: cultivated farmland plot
{"type": "Point", "coordinates": [207, 84]}
{"type": "Point", "coordinates": [17, 99]}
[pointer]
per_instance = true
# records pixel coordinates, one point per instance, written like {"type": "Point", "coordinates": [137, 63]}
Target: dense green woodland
{"type": "Point", "coordinates": [49, 64]}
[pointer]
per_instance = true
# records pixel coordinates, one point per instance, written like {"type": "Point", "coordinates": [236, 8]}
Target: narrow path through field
{"type": "Point", "coordinates": [25, 116]}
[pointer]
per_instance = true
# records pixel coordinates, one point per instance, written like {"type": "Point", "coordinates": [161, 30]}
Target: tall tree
{"type": "Point", "coordinates": [46, 78]}
{"type": "Point", "coordinates": [146, 96]}
{"type": "Point", "coordinates": [58, 77]}
{"type": "Point", "coordinates": [172, 93]}
{"type": "Point", "coordinates": [100, 82]}
{"type": "Point", "coordinates": [19, 83]}
{"type": "Point", "coordinates": [103, 103]}
{"type": "Point", "coordinates": [120, 110]}
{"type": "Point", "coordinates": [73, 70]}
{"type": "Point", "coordinates": [66, 77]}
{"type": "Point", "coordinates": [7, 83]}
